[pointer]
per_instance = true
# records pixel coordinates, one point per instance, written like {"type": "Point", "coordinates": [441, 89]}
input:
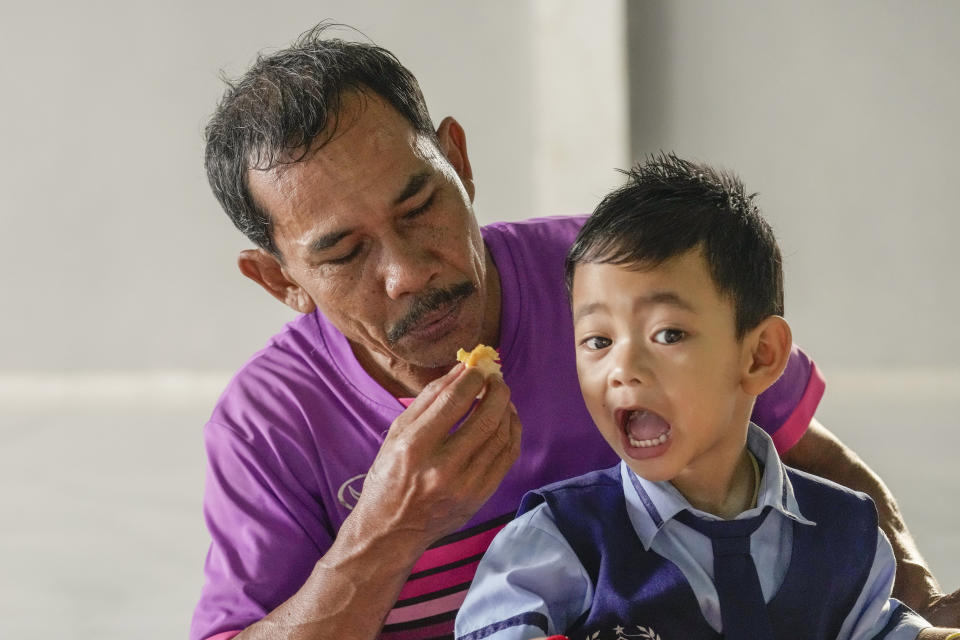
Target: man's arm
{"type": "Point", "coordinates": [823, 454]}
{"type": "Point", "coordinates": [424, 484]}
{"type": "Point", "coordinates": [937, 633]}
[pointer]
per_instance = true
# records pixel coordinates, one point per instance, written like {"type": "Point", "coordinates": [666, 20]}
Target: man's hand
{"type": "Point", "coordinates": [944, 610]}
{"type": "Point", "coordinates": [426, 481]}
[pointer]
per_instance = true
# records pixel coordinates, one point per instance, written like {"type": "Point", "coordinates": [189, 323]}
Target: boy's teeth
{"type": "Point", "coordinates": [648, 443]}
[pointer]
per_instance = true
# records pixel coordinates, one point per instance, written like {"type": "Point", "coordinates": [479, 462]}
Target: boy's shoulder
{"type": "Point", "coordinates": [600, 481]}
{"type": "Point", "coordinates": [825, 501]}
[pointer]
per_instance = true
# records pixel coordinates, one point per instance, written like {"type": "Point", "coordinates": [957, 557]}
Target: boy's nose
{"type": "Point", "coordinates": [629, 367]}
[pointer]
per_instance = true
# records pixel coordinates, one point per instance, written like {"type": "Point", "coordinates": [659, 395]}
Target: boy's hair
{"type": "Point", "coordinates": [670, 206]}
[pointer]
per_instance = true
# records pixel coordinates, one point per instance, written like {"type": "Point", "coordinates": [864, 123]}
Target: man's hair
{"type": "Point", "coordinates": [277, 111]}
{"type": "Point", "coordinates": [670, 206]}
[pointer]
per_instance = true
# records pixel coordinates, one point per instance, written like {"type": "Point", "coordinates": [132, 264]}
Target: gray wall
{"type": "Point", "coordinates": [116, 255]}
{"type": "Point", "coordinates": [844, 117]}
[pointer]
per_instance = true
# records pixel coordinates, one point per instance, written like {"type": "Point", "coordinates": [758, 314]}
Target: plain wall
{"type": "Point", "coordinates": [843, 116]}
{"type": "Point", "coordinates": [117, 256]}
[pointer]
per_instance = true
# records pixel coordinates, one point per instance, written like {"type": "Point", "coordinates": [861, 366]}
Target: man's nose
{"type": "Point", "coordinates": [630, 367]}
{"type": "Point", "coordinates": [407, 267]}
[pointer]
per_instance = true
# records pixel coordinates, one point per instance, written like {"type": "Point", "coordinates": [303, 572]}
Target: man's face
{"type": "Point", "coordinates": [376, 228]}
{"type": "Point", "coordinates": [660, 366]}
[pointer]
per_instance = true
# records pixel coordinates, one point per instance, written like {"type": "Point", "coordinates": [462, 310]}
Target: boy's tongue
{"type": "Point", "coordinates": [645, 425]}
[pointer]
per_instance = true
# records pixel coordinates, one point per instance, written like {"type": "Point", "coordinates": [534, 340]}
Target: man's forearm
{"type": "Point", "coordinates": [938, 633]}
{"type": "Point", "coordinates": [349, 593]}
{"type": "Point", "coordinates": [425, 483]}
{"type": "Point", "coordinates": [821, 453]}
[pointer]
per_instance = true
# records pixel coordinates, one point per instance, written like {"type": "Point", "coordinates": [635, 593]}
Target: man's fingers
{"type": "Point", "coordinates": [445, 406]}
{"type": "Point", "coordinates": [483, 422]}
{"type": "Point", "coordinates": [495, 459]}
{"type": "Point", "coordinates": [430, 392]}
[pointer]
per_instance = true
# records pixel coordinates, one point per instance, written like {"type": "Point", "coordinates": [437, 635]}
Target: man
{"type": "Point", "coordinates": [325, 157]}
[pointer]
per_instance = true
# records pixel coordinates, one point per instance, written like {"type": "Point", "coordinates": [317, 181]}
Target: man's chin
{"type": "Point", "coordinates": [433, 354]}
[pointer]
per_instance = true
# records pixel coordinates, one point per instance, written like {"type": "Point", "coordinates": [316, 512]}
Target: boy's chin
{"type": "Point", "coordinates": [652, 472]}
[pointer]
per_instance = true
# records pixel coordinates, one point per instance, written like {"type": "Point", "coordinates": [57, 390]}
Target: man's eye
{"type": "Point", "coordinates": [347, 258]}
{"type": "Point", "coordinates": [669, 336]}
{"type": "Point", "coordinates": [596, 343]}
{"type": "Point", "coordinates": [421, 209]}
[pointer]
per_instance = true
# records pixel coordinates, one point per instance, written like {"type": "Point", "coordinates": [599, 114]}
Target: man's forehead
{"type": "Point", "coordinates": [373, 153]}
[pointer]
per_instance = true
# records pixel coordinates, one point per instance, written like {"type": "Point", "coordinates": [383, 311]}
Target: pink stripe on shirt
{"type": "Point", "coordinates": [438, 581]}
{"type": "Point", "coordinates": [438, 630]}
{"type": "Point", "coordinates": [796, 424]}
{"type": "Point", "coordinates": [429, 608]}
{"type": "Point", "coordinates": [225, 635]}
{"type": "Point", "coordinates": [439, 556]}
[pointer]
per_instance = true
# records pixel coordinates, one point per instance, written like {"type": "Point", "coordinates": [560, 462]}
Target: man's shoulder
{"type": "Point", "coordinates": [293, 348]}
{"type": "Point", "coordinates": [270, 381]}
{"type": "Point", "coordinates": [560, 230]}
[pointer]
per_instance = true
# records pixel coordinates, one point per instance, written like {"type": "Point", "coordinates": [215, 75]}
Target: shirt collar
{"type": "Point", "coordinates": [651, 504]}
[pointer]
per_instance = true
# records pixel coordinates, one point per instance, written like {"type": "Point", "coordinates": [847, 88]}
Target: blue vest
{"type": "Point", "coordinates": [640, 591]}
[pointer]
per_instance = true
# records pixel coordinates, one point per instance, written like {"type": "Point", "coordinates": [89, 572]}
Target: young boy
{"type": "Point", "coordinates": [700, 532]}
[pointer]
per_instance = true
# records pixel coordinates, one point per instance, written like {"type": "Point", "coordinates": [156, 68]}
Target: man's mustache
{"type": "Point", "coordinates": [428, 303]}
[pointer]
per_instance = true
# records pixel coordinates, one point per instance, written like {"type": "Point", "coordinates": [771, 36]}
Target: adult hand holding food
{"type": "Point", "coordinates": [441, 460]}
{"type": "Point", "coordinates": [428, 479]}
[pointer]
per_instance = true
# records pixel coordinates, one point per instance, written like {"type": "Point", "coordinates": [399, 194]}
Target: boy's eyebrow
{"type": "Point", "coordinates": [587, 309]}
{"type": "Point", "coordinates": [660, 297]}
{"type": "Point", "coordinates": [664, 297]}
{"type": "Point", "coordinates": [411, 188]}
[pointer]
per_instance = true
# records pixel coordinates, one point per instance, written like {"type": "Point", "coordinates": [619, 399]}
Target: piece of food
{"type": "Point", "coordinates": [483, 358]}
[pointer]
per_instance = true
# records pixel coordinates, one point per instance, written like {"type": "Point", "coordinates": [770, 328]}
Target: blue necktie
{"type": "Point", "coordinates": [743, 613]}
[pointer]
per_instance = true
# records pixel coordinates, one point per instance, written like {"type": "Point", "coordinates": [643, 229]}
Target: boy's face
{"type": "Point", "coordinates": [660, 366]}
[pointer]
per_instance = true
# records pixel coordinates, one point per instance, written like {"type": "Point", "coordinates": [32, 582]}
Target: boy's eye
{"type": "Point", "coordinates": [669, 336]}
{"type": "Point", "coordinates": [596, 343]}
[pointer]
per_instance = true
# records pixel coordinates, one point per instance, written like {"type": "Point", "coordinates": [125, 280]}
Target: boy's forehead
{"type": "Point", "coordinates": [683, 281]}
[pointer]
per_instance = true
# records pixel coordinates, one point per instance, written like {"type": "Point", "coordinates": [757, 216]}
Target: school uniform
{"type": "Point", "coordinates": [611, 555]}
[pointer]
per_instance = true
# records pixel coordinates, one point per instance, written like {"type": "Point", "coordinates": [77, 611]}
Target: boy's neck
{"type": "Point", "coordinates": [724, 490]}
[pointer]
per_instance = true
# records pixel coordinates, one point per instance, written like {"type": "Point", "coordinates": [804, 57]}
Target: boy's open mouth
{"type": "Point", "coordinates": [643, 428]}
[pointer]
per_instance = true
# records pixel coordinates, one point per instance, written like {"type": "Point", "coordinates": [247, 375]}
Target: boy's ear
{"type": "Point", "coordinates": [266, 270]}
{"type": "Point", "coordinates": [766, 351]}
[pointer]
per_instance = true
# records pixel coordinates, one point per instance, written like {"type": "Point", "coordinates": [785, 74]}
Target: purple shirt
{"type": "Point", "coordinates": [297, 428]}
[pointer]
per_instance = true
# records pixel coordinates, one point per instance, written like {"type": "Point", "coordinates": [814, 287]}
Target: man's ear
{"type": "Point", "coordinates": [264, 269]}
{"type": "Point", "coordinates": [453, 144]}
{"type": "Point", "coordinates": [766, 351]}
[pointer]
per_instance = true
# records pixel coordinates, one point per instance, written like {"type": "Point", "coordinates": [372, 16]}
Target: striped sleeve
{"type": "Point", "coordinates": [437, 586]}
{"type": "Point", "coordinates": [785, 409]}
